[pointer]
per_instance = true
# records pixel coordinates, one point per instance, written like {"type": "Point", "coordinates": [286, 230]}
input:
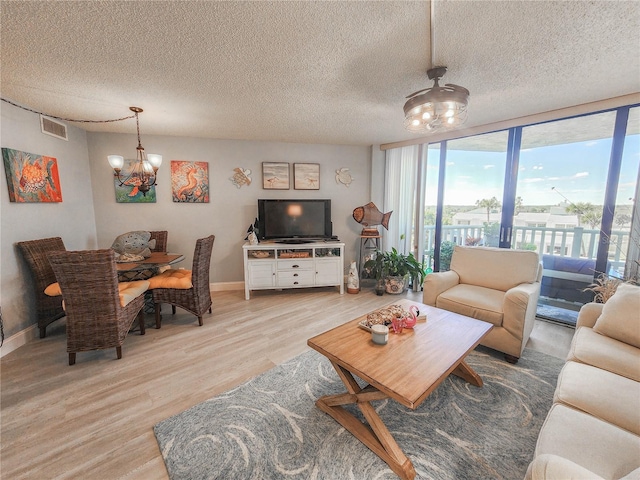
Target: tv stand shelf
{"type": "Point", "coordinates": [275, 266]}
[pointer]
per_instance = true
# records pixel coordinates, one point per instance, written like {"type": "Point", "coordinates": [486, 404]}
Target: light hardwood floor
{"type": "Point", "coordinates": [94, 419]}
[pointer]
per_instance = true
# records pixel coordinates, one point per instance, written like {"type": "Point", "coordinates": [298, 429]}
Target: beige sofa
{"type": "Point", "coordinates": [497, 285]}
{"type": "Point", "coordinates": [593, 428]}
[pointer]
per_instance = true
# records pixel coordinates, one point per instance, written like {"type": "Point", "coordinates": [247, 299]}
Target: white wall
{"type": "Point", "coordinates": [89, 216]}
{"type": "Point", "coordinates": [72, 219]}
{"type": "Point", "coordinates": [230, 210]}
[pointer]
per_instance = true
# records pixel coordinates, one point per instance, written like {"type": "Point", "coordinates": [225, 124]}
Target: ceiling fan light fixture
{"type": "Point", "coordinates": [436, 107]}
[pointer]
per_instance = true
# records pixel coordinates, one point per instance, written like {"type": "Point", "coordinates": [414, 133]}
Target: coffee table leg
{"type": "Point", "coordinates": [464, 371]}
{"type": "Point", "coordinates": [376, 435]}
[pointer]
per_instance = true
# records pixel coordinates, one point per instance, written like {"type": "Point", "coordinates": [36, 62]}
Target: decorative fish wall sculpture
{"type": "Point", "coordinates": [369, 216]}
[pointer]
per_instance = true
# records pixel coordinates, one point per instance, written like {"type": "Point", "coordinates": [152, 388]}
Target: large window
{"type": "Point", "coordinates": [565, 189]}
{"type": "Point", "coordinates": [562, 175]}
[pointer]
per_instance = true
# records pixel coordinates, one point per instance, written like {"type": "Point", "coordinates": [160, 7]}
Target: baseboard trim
{"type": "Point", "coordinates": [226, 286]}
{"type": "Point", "coordinates": [19, 339]}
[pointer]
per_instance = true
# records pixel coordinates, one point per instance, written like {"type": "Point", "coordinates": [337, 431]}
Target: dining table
{"type": "Point", "coordinates": [147, 267]}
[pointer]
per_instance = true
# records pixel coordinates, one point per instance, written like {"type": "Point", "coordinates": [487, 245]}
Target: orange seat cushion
{"type": "Point", "coordinates": [180, 279]}
{"type": "Point", "coordinates": [53, 290]}
{"type": "Point", "coordinates": [127, 291]}
{"type": "Point", "coordinates": [131, 290]}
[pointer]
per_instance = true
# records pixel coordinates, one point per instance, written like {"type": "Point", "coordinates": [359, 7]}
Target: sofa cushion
{"type": "Point", "coordinates": [635, 475]}
{"type": "Point", "coordinates": [620, 317]}
{"type": "Point", "coordinates": [594, 391]}
{"type": "Point", "coordinates": [473, 301]}
{"type": "Point", "coordinates": [497, 268]}
{"type": "Point", "coordinates": [603, 352]}
{"type": "Point", "coordinates": [545, 467]}
{"type": "Point", "coordinates": [604, 449]}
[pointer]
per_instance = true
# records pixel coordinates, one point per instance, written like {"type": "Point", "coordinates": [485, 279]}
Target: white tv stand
{"type": "Point", "coordinates": [275, 266]}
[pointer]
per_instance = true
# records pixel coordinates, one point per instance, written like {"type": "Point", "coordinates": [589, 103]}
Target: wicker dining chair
{"type": "Point", "coordinates": [93, 300]}
{"type": "Point", "coordinates": [160, 237]}
{"type": "Point", "coordinates": [193, 294]}
{"type": "Point", "coordinates": [36, 253]}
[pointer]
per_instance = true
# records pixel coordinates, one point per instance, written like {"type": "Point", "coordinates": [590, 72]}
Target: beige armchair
{"type": "Point", "coordinates": [497, 285]}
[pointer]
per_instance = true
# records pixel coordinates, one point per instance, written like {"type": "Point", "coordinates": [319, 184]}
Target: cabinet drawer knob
{"type": "Point", "coordinates": [295, 283]}
{"type": "Point", "coordinates": [295, 266]}
{"type": "Point", "coordinates": [295, 274]}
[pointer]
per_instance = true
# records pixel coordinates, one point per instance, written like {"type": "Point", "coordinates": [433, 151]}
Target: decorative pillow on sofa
{"type": "Point", "coordinates": [620, 317]}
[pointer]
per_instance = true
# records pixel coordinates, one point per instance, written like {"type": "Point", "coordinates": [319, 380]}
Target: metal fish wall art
{"type": "Point", "coordinates": [369, 215]}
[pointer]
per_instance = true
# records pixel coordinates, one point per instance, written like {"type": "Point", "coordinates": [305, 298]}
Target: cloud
{"type": "Point", "coordinates": [487, 167]}
{"type": "Point", "coordinates": [450, 163]}
{"type": "Point", "coordinates": [591, 144]}
{"type": "Point", "coordinates": [533, 180]}
{"type": "Point", "coordinates": [553, 178]}
{"type": "Point", "coordinates": [581, 174]}
{"type": "Point", "coordinates": [538, 167]}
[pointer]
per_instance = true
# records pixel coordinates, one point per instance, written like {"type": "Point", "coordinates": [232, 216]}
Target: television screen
{"type": "Point", "coordinates": [292, 219]}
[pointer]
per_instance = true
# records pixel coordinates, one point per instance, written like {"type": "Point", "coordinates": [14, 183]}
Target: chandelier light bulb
{"type": "Point", "coordinates": [155, 160]}
{"type": "Point", "coordinates": [116, 161]}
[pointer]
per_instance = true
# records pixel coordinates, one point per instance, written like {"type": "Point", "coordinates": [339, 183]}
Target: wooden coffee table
{"type": "Point", "coordinates": [408, 368]}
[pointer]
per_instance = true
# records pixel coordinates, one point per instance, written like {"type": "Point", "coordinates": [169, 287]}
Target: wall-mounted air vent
{"type": "Point", "coordinates": [53, 128]}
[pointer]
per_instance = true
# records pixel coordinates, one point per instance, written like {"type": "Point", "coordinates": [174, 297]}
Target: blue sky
{"type": "Point", "coordinates": [576, 170]}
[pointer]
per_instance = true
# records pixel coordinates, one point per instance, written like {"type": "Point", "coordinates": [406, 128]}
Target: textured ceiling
{"type": "Point", "coordinates": [309, 72]}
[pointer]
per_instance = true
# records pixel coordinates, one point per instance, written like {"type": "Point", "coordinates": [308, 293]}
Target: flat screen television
{"type": "Point", "coordinates": [294, 221]}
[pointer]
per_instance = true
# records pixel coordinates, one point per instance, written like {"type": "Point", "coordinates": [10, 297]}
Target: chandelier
{"type": "Point", "coordinates": [144, 171]}
{"type": "Point", "coordinates": [437, 107]}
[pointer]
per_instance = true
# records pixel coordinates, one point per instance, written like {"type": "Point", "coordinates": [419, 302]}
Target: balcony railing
{"type": "Point", "coordinates": [577, 242]}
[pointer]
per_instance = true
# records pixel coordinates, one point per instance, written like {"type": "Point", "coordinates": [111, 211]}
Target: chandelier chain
{"type": "Point", "coordinates": [138, 129]}
{"type": "Point", "coordinates": [71, 119]}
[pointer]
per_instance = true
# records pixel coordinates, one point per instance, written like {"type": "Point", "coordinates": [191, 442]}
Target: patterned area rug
{"type": "Point", "coordinates": [269, 427]}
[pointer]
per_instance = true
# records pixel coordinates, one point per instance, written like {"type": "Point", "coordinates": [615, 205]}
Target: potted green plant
{"type": "Point", "coordinates": [375, 268]}
{"type": "Point", "coordinates": [395, 269]}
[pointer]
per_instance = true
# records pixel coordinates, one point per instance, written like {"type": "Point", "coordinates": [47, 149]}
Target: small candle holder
{"type": "Point", "coordinates": [380, 334]}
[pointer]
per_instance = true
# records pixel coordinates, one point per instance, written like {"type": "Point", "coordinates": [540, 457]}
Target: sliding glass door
{"type": "Point", "coordinates": [560, 192]}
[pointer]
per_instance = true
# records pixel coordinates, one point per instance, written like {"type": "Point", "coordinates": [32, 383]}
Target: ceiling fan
{"type": "Point", "coordinates": [436, 107]}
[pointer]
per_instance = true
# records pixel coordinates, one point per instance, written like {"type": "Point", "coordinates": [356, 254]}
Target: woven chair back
{"type": "Point", "coordinates": [36, 254]}
{"type": "Point", "coordinates": [160, 237]}
{"type": "Point", "coordinates": [88, 280]}
{"type": "Point", "coordinates": [89, 283]}
{"type": "Point", "coordinates": [202, 262]}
